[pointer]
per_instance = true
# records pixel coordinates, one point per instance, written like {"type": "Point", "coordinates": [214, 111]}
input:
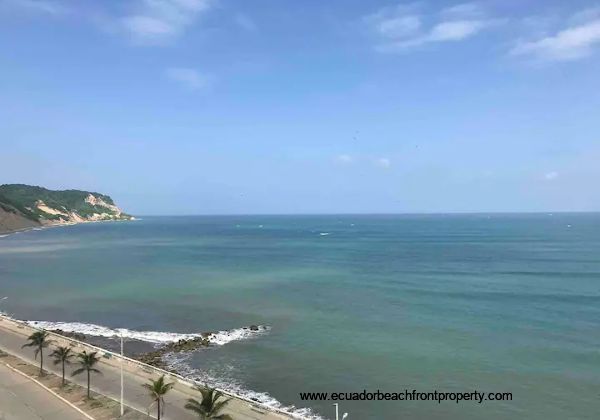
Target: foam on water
{"type": "Point", "coordinates": [156, 337]}
{"type": "Point", "coordinates": [180, 363]}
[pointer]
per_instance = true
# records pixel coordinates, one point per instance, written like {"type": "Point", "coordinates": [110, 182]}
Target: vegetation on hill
{"type": "Point", "coordinates": [25, 206]}
{"type": "Point", "coordinates": [24, 199]}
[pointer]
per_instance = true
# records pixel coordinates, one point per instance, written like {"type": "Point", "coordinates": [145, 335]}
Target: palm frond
{"type": "Point", "coordinates": [77, 371]}
{"type": "Point", "coordinates": [195, 406]}
{"type": "Point", "coordinates": [210, 405]}
{"type": "Point", "coordinates": [158, 388]}
{"type": "Point", "coordinates": [62, 355]}
{"type": "Point", "coordinates": [217, 406]}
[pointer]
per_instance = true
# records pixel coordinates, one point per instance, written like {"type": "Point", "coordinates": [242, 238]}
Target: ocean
{"type": "Point", "coordinates": [506, 303]}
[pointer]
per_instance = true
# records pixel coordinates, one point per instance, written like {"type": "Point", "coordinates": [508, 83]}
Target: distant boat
{"type": "Point", "coordinates": [324, 233]}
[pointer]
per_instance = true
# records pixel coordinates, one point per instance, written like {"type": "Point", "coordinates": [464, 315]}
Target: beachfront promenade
{"type": "Point", "coordinates": [13, 335]}
{"type": "Point", "coordinates": [21, 398]}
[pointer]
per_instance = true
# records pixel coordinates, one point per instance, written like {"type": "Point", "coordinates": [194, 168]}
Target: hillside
{"type": "Point", "coordinates": [25, 206]}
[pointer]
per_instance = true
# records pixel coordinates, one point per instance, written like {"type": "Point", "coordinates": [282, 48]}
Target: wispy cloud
{"type": "Point", "coordinates": [157, 21]}
{"type": "Point", "coordinates": [462, 11]}
{"type": "Point", "coordinates": [383, 162]}
{"type": "Point", "coordinates": [551, 176]}
{"type": "Point", "coordinates": [144, 22]}
{"type": "Point", "coordinates": [189, 78]}
{"type": "Point", "coordinates": [344, 159]}
{"type": "Point", "coordinates": [46, 7]}
{"type": "Point", "coordinates": [578, 38]}
{"type": "Point", "coordinates": [395, 21]}
{"type": "Point", "coordinates": [400, 28]}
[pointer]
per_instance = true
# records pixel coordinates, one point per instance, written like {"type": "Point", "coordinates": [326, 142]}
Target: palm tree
{"type": "Point", "coordinates": [62, 355]}
{"type": "Point", "coordinates": [39, 340]}
{"type": "Point", "coordinates": [87, 361]}
{"type": "Point", "coordinates": [210, 406]}
{"type": "Point", "coordinates": [158, 389]}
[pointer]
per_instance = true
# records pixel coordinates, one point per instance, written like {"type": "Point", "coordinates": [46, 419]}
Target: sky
{"type": "Point", "coordinates": [305, 106]}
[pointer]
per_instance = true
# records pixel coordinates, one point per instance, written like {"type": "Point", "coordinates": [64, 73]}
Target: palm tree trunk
{"type": "Point", "coordinates": [158, 409]}
{"type": "Point", "coordinates": [63, 370]}
{"type": "Point", "coordinates": [88, 373]}
{"type": "Point", "coordinates": [41, 362]}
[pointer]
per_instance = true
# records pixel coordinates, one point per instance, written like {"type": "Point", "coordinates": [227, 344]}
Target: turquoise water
{"type": "Point", "coordinates": [503, 303]}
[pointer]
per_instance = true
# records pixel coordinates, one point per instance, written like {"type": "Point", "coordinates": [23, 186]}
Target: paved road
{"type": "Point", "coordinates": [23, 399]}
{"type": "Point", "coordinates": [135, 395]}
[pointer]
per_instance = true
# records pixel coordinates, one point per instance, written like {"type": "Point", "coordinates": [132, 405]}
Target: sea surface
{"type": "Point", "coordinates": [453, 303]}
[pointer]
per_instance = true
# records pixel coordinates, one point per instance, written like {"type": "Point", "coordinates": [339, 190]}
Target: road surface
{"type": "Point", "coordinates": [23, 399]}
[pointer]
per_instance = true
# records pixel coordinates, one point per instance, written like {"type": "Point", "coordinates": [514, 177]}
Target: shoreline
{"type": "Point", "coordinates": [4, 234]}
{"type": "Point", "coordinates": [168, 353]}
{"type": "Point", "coordinates": [143, 370]}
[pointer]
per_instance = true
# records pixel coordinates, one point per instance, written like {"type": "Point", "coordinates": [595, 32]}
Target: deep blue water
{"type": "Point", "coordinates": [504, 303]}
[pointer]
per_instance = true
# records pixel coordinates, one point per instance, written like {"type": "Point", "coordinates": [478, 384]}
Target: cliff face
{"type": "Point", "coordinates": [25, 206]}
{"type": "Point", "coordinates": [11, 220]}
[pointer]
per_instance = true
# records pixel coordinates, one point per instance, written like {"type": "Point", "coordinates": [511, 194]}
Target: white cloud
{"type": "Point", "coordinates": [383, 162]}
{"type": "Point", "coordinates": [345, 159]}
{"type": "Point", "coordinates": [34, 6]}
{"type": "Point", "coordinates": [156, 21]}
{"type": "Point", "coordinates": [571, 43]}
{"type": "Point", "coordinates": [190, 78]}
{"type": "Point", "coordinates": [145, 22]}
{"type": "Point", "coordinates": [394, 22]}
{"type": "Point", "coordinates": [401, 27]}
{"type": "Point", "coordinates": [550, 176]}
{"type": "Point", "coordinates": [456, 30]}
{"type": "Point", "coordinates": [463, 11]}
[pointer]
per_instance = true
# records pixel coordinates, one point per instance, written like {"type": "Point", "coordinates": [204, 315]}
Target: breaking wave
{"type": "Point", "coordinates": [156, 337]}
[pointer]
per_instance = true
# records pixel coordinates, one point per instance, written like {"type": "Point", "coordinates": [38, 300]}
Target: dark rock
{"type": "Point", "coordinates": [154, 358]}
{"type": "Point", "coordinates": [74, 335]}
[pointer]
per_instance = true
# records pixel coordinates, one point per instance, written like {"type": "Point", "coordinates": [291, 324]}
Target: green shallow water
{"type": "Point", "coordinates": [507, 303]}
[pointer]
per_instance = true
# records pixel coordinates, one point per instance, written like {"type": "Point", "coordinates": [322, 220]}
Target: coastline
{"type": "Point", "coordinates": [142, 371]}
{"type": "Point", "coordinates": [4, 234]}
{"type": "Point", "coordinates": [170, 351]}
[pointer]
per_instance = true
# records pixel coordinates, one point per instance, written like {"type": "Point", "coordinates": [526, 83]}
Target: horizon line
{"type": "Point", "coordinates": [374, 213]}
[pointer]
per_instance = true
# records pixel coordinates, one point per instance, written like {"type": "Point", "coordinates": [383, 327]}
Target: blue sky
{"type": "Point", "coordinates": [287, 106]}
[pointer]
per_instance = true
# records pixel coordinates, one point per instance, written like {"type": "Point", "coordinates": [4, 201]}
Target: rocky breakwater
{"type": "Point", "coordinates": [74, 335]}
{"type": "Point", "coordinates": [155, 357]}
